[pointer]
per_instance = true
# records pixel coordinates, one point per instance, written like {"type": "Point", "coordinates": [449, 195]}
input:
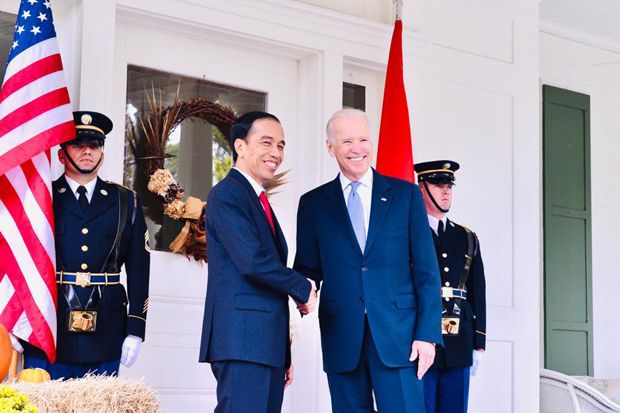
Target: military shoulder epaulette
{"type": "Point", "coordinates": [121, 186]}
{"type": "Point", "coordinates": [464, 227]}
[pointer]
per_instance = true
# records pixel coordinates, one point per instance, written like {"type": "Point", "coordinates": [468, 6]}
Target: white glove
{"type": "Point", "coordinates": [131, 349]}
{"type": "Point", "coordinates": [477, 357]}
{"type": "Point", "coordinates": [16, 344]}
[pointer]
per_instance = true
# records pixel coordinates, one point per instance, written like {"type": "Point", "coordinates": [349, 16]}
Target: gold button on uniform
{"type": "Point", "coordinates": [446, 269]}
{"type": "Point", "coordinates": [84, 230]}
{"type": "Point", "coordinates": [84, 248]}
{"type": "Point", "coordinates": [444, 255]}
{"type": "Point", "coordinates": [84, 266]}
{"type": "Point", "coordinates": [447, 284]}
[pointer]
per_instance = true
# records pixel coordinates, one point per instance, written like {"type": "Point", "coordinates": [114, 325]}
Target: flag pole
{"type": "Point", "coordinates": [398, 5]}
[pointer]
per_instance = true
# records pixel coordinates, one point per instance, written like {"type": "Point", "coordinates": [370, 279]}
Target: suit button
{"type": "Point", "coordinates": [444, 255]}
{"type": "Point", "coordinates": [84, 248]}
{"type": "Point", "coordinates": [446, 269]}
{"type": "Point", "coordinates": [84, 231]}
{"type": "Point", "coordinates": [84, 266]}
{"type": "Point", "coordinates": [364, 269]}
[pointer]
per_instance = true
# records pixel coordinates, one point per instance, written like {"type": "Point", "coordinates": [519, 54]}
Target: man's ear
{"type": "Point", "coordinates": [239, 145]}
{"type": "Point", "coordinates": [61, 155]}
{"type": "Point", "coordinates": [330, 148]}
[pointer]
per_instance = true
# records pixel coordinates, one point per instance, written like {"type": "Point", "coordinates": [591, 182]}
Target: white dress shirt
{"type": "Point", "coordinates": [364, 191]}
{"type": "Point", "coordinates": [434, 223]}
{"type": "Point", "coordinates": [90, 187]}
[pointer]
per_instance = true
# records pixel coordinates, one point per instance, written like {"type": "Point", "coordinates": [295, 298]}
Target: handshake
{"type": "Point", "coordinates": [307, 308]}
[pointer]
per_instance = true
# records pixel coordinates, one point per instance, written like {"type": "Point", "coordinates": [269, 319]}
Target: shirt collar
{"type": "Point", "coordinates": [434, 222]}
{"type": "Point", "coordinates": [255, 185]}
{"type": "Point", "coordinates": [90, 186]}
{"type": "Point", "coordinates": [365, 180]}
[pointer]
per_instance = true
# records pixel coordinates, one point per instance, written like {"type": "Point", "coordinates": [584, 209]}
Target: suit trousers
{"type": "Point", "coordinates": [396, 390]}
{"type": "Point", "coordinates": [72, 371]}
{"type": "Point", "coordinates": [446, 390]}
{"type": "Point", "coordinates": [245, 387]}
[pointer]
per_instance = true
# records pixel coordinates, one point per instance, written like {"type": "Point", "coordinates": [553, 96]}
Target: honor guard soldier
{"type": "Point", "coordinates": [446, 384]}
{"type": "Point", "coordinates": [100, 227]}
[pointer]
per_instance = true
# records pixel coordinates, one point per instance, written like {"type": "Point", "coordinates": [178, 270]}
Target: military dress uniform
{"type": "Point", "coordinates": [92, 244]}
{"type": "Point", "coordinates": [446, 384]}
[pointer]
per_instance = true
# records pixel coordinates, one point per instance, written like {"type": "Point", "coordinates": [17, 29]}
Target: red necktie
{"type": "Point", "coordinates": [267, 208]}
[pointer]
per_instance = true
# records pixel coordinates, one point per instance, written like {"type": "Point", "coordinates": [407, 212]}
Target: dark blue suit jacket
{"type": "Point", "coordinates": [395, 280]}
{"type": "Point", "coordinates": [246, 310]}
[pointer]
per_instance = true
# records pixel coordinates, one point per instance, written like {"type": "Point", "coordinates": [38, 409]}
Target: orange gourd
{"type": "Point", "coordinates": [35, 375]}
{"type": "Point", "coordinates": [6, 350]}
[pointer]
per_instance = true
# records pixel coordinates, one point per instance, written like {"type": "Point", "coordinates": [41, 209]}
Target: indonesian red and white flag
{"type": "Point", "coordinates": [395, 153]}
{"type": "Point", "coordinates": [35, 114]}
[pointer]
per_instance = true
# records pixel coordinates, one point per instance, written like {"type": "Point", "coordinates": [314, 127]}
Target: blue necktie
{"type": "Point", "coordinates": [356, 214]}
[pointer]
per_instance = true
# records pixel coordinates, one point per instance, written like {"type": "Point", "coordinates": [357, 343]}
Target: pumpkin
{"type": "Point", "coordinates": [35, 375]}
{"type": "Point", "coordinates": [6, 351]}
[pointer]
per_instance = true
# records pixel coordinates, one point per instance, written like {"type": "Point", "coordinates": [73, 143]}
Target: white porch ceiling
{"type": "Point", "coordinates": [597, 18]}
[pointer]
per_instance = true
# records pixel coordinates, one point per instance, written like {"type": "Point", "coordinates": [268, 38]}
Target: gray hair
{"type": "Point", "coordinates": [343, 113]}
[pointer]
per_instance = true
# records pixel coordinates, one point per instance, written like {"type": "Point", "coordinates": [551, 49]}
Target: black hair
{"type": "Point", "coordinates": [243, 125]}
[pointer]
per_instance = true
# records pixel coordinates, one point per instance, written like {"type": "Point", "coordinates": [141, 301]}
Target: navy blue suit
{"type": "Point", "coordinates": [246, 319]}
{"type": "Point", "coordinates": [446, 385]}
{"type": "Point", "coordinates": [85, 242]}
{"type": "Point", "coordinates": [378, 300]}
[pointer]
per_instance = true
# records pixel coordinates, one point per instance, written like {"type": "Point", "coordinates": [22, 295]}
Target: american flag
{"type": "Point", "coordinates": [35, 114]}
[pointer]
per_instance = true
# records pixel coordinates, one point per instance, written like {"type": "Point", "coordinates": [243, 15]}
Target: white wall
{"type": "Point", "coordinates": [574, 61]}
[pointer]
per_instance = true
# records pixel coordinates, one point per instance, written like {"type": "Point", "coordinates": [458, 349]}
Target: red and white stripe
{"type": "Point", "coordinates": [35, 114]}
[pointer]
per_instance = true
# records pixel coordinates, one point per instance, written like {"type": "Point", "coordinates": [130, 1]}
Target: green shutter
{"type": "Point", "coordinates": [567, 231]}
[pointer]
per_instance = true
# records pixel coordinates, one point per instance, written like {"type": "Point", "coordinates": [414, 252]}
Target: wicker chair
{"type": "Point", "coordinates": [560, 393]}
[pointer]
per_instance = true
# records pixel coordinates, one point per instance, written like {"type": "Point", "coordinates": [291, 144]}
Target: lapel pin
{"type": "Point", "coordinates": [62, 190]}
{"type": "Point", "coordinates": [384, 199]}
{"type": "Point", "coordinates": [104, 192]}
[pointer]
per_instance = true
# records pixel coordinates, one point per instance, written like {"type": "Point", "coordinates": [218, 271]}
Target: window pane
{"type": "Point", "coordinates": [353, 96]}
{"type": "Point", "coordinates": [7, 28]}
{"type": "Point", "coordinates": [198, 155]}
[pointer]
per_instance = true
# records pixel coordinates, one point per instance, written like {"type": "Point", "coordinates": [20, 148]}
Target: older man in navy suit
{"type": "Point", "coordinates": [365, 236]}
{"type": "Point", "coordinates": [245, 333]}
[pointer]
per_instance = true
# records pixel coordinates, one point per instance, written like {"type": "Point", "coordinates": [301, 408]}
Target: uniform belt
{"type": "Point", "coordinates": [85, 279]}
{"type": "Point", "coordinates": [449, 292]}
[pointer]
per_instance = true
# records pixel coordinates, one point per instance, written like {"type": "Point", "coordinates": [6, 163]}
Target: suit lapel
{"type": "Point", "coordinates": [337, 208]}
{"type": "Point", "coordinates": [278, 238]}
{"type": "Point", "coordinates": [381, 200]}
{"type": "Point", "coordinates": [64, 196]}
{"type": "Point", "coordinates": [103, 199]}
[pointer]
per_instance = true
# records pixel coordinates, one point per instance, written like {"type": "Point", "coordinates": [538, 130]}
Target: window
{"type": "Point", "coordinates": [197, 153]}
{"type": "Point", "coordinates": [353, 96]}
{"type": "Point", "coordinates": [7, 29]}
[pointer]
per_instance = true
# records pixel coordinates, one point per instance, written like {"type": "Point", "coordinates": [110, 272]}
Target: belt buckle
{"type": "Point", "coordinates": [447, 292]}
{"type": "Point", "coordinates": [82, 279]}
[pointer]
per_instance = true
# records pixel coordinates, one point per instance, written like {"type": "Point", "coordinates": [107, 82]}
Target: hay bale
{"type": "Point", "coordinates": [91, 394]}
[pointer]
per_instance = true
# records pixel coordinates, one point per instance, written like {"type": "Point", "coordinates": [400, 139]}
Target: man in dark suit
{"type": "Point", "coordinates": [446, 385]}
{"type": "Point", "coordinates": [99, 227]}
{"type": "Point", "coordinates": [245, 335]}
{"type": "Point", "coordinates": [365, 236]}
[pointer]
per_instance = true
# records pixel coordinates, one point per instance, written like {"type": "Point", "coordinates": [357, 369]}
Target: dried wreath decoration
{"type": "Point", "coordinates": [148, 144]}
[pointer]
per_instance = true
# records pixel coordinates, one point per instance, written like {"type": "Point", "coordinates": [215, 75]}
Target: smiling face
{"type": "Point", "coordinates": [351, 145]}
{"type": "Point", "coordinates": [262, 151]}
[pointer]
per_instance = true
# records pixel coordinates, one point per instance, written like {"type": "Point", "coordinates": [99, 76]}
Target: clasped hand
{"type": "Point", "coordinates": [308, 307]}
